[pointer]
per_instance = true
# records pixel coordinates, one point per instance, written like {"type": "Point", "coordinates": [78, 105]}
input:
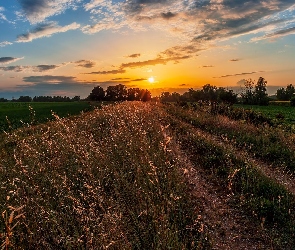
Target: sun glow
{"type": "Point", "coordinates": [151, 79]}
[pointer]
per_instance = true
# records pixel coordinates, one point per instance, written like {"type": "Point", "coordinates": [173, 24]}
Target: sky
{"type": "Point", "coordinates": [68, 47]}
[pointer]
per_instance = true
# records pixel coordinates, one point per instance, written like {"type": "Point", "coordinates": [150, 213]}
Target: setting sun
{"type": "Point", "coordinates": [151, 79]}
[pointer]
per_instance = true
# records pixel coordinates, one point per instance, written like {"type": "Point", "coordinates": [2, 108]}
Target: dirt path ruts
{"type": "Point", "coordinates": [228, 228]}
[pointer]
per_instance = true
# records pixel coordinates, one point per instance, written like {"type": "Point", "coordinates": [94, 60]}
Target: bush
{"type": "Point", "coordinates": [292, 102]}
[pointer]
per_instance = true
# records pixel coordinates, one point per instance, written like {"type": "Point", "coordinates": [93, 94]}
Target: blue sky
{"type": "Point", "coordinates": [66, 47]}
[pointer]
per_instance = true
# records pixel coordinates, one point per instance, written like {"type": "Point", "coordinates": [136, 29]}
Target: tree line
{"type": "Point", "coordinates": [43, 99]}
{"type": "Point", "coordinates": [253, 93]}
{"type": "Point", "coordinates": [119, 93]}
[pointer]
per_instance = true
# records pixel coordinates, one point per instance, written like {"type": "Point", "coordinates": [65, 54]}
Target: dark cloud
{"type": "Point", "coordinates": [41, 68]}
{"type": "Point", "coordinates": [49, 79]}
{"type": "Point", "coordinates": [6, 60]}
{"type": "Point", "coordinates": [134, 55]}
{"type": "Point", "coordinates": [277, 34]}
{"type": "Point", "coordinates": [85, 63]}
{"type": "Point", "coordinates": [153, 62]}
{"type": "Point", "coordinates": [38, 10]}
{"type": "Point", "coordinates": [168, 15]}
{"type": "Point", "coordinates": [138, 80]}
{"type": "Point", "coordinates": [207, 66]}
{"type": "Point", "coordinates": [234, 60]}
{"type": "Point", "coordinates": [120, 78]}
{"type": "Point", "coordinates": [14, 68]}
{"type": "Point", "coordinates": [240, 74]}
{"type": "Point", "coordinates": [115, 71]}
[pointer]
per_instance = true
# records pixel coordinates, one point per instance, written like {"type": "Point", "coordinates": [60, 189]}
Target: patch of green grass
{"type": "Point", "coordinates": [19, 114]}
{"type": "Point", "coordinates": [278, 114]}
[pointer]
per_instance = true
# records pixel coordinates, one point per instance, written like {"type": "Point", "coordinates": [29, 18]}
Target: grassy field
{"type": "Point", "coordinates": [279, 114]}
{"type": "Point", "coordinates": [147, 176]}
{"type": "Point", "coordinates": [19, 113]}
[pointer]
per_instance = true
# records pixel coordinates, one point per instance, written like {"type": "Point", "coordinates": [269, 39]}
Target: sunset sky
{"type": "Point", "coordinates": [67, 47]}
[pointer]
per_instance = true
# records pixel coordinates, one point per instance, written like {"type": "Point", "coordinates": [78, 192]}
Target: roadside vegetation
{"type": "Point", "coordinates": [105, 179]}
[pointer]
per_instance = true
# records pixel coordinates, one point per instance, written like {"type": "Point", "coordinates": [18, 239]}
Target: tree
{"type": "Point", "coordinates": [285, 94]}
{"type": "Point", "coordinates": [226, 96]}
{"type": "Point", "coordinates": [24, 99]}
{"type": "Point", "coordinates": [145, 95]}
{"type": "Point", "coordinates": [116, 93]}
{"type": "Point", "coordinates": [260, 93]}
{"type": "Point", "coordinates": [97, 94]}
{"type": "Point", "coordinates": [3, 99]}
{"type": "Point", "coordinates": [248, 95]}
{"type": "Point", "coordinates": [210, 93]}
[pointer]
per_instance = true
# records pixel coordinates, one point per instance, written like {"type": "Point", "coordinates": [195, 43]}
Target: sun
{"type": "Point", "coordinates": [151, 79]}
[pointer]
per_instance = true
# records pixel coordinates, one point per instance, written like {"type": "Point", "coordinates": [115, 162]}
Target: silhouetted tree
{"type": "Point", "coordinates": [145, 95]}
{"type": "Point", "coordinates": [24, 99]}
{"type": "Point", "coordinates": [260, 93]}
{"type": "Point", "coordinates": [116, 93]}
{"type": "Point", "coordinates": [226, 96]}
{"type": "Point", "coordinates": [97, 94]}
{"type": "Point", "coordinates": [248, 95]}
{"type": "Point", "coordinates": [3, 99]}
{"type": "Point", "coordinates": [285, 94]}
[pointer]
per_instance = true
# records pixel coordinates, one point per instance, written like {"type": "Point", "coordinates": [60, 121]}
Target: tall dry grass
{"type": "Point", "coordinates": [103, 180]}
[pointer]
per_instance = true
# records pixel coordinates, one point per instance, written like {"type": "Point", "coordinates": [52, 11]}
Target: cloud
{"type": "Point", "coordinates": [14, 68]}
{"type": "Point", "coordinates": [139, 80]}
{"type": "Point", "coordinates": [46, 30]}
{"type": "Point", "coordinates": [134, 55]}
{"type": "Point", "coordinates": [108, 72]}
{"type": "Point", "coordinates": [93, 4]}
{"type": "Point", "coordinates": [276, 34]}
{"type": "Point", "coordinates": [38, 68]}
{"type": "Point", "coordinates": [7, 60]}
{"type": "Point", "coordinates": [234, 60]}
{"type": "Point", "coordinates": [240, 74]}
{"type": "Point", "coordinates": [38, 11]}
{"type": "Point", "coordinates": [5, 43]}
{"type": "Point", "coordinates": [207, 66]}
{"type": "Point", "coordinates": [120, 78]}
{"type": "Point", "coordinates": [168, 15]}
{"type": "Point", "coordinates": [85, 63]}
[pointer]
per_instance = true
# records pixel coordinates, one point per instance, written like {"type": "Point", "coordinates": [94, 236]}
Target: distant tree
{"type": "Point", "coordinates": [248, 93]}
{"type": "Point", "coordinates": [226, 96]}
{"type": "Point", "coordinates": [133, 94]}
{"type": "Point", "coordinates": [145, 95]}
{"type": "Point", "coordinates": [76, 98]}
{"type": "Point", "coordinates": [209, 93]}
{"type": "Point", "coordinates": [260, 93]}
{"type": "Point", "coordinates": [3, 99]}
{"type": "Point", "coordinates": [24, 99]}
{"type": "Point", "coordinates": [97, 94]}
{"type": "Point", "coordinates": [285, 94]}
{"type": "Point", "coordinates": [165, 97]}
{"type": "Point", "coordinates": [116, 93]}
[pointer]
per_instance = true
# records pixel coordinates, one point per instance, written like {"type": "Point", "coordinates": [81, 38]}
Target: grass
{"type": "Point", "coordinates": [259, 196]}
{"type": "Point", "coordinates": [20, 113]}
{"type": "Point", "coordinates": [105, 179]}
{"type": "Point", "coordinates": [278, 114]}
{"type": "Point", "coordinates": [111, 178]}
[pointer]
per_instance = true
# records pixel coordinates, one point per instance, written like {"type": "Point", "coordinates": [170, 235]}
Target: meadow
{"type": "Point", "coordinates": [19, 113]}
{"type": "Point", "coordinates": [137, 175]}
{"type": "Point", "coordinates": [279, 114]}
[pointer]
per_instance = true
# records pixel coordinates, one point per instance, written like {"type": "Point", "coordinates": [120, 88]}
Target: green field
{"type": "Point", "coordinates": [278, 114]}
{"type": "Point", "coordinates": [19, 114]}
